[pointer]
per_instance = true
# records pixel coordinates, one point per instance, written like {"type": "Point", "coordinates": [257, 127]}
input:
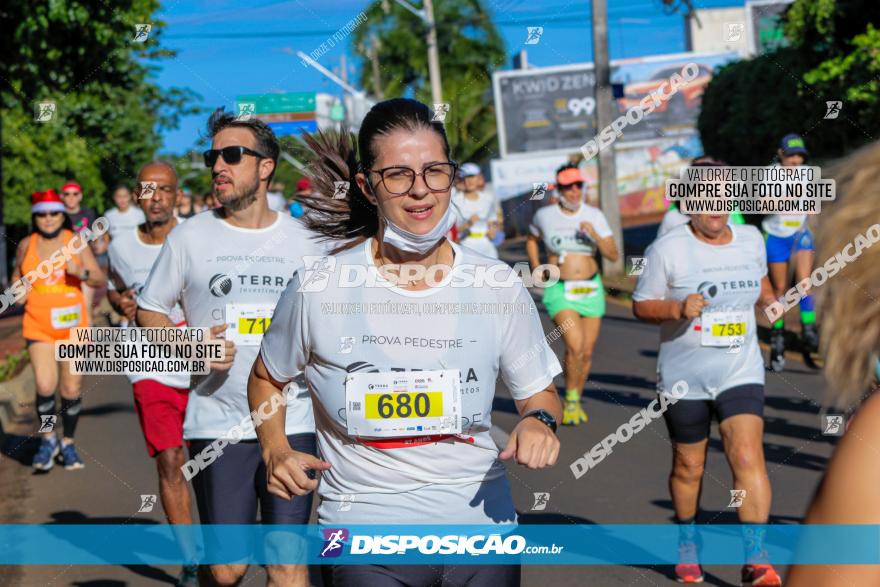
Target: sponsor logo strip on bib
{"type": "Point", "coordinates": [413, 407]}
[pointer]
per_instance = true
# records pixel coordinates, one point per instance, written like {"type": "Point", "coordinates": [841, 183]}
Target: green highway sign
{"type": "Point", "coordinates": [272, 103]}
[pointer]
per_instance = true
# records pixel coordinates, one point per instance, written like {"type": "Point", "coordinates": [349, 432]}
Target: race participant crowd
{"type": "Point", "coordinates": [245, 255]}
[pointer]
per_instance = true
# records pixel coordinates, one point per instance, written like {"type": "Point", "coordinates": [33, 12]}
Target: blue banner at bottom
{"type": "Point", "coordinates": [428, 544]}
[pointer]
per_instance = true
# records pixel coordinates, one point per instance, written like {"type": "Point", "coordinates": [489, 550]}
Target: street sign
{"type": "Point", "coordinates": [286, 114]}
{"type": "Point", "coordinates": [286, 102]}
{"type": "Point", "coordinates": [295, 127]}
{"type": "Point", "coordinates": [764, 25]}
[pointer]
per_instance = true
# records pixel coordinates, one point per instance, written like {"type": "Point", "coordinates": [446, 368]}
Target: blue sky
{"type": "Point", "coordinates": [226, 48]}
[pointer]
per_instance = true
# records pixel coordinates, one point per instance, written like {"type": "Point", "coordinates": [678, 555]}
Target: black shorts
{"type": "Point", "coordinates": [688, 421]}
{"type": "Point", "coordinates": [421, 575]}
{"type": "Point", "coordinates": [229, 490]}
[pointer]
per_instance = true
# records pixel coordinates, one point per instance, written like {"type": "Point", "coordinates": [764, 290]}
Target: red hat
{"type": "Point", "coordinates": [303, 185]}
{"type": "Point", "coordinates": [48, 201]}
{"type": "Point", "coordinates": [71, 184]}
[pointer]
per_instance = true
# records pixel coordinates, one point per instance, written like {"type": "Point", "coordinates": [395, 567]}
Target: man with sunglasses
{"type": "Point", "coordinates": [573, 232]}
{"type": "Point", "coordinates": [228, 267]}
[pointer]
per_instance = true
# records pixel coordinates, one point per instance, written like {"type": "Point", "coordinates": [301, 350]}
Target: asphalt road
{"type": "Point", "coordinates": [629, 486]}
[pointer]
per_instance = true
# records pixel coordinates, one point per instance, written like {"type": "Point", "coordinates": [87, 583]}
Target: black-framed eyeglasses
{"type": "Point", "coordinates": [231, 155]}
{"type": "Point", "coordinates": [399, 180]}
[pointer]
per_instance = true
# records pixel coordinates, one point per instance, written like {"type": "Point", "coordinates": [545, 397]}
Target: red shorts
{"type": "Point", "coordinates": [160, 409]}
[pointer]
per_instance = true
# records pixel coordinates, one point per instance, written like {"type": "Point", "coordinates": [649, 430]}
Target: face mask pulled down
{"type": "Point", "coordinates": [417, 243]}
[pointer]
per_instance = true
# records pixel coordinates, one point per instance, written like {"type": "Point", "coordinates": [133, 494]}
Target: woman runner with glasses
{"type": "Point", "coordinates": [573, 232]}
{"type": "Point", "coordinates": [403, 404]}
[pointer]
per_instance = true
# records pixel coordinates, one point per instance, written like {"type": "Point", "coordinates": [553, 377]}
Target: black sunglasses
{"type": "Point", "coordinates": [44, 214]}
{"type": "Point", "coordinates": [577, 184]}
{"type": "Point", "coordinates": [231, 155]}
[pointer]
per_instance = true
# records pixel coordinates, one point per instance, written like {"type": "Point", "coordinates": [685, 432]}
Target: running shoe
{"type": "Point", "coordinates": [70, 458]}
{"type": "Point", "coordinates": [572, 412]}
{"type": "Point", "coordinates": [777, 350]}
{"type": "Point", "coordinates": [189, 576]}
{"type": "Point", "coordinates": [688, 569]}
{"type": "Point", "coordinates": [45, 457]}
{"type": "Point", "coordinates": [761, 575]}
{"type": "Point", "coordinates": [810, 338]}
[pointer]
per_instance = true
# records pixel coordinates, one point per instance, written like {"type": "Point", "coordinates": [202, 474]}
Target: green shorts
{"type": "Point", "coordinates": [586, 297]}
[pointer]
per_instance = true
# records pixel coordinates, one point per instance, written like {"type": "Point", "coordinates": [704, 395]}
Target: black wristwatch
{"type": "Point", "coordinates": [85, 276]}
{"type": "Point", "coordinates": [544, 416]}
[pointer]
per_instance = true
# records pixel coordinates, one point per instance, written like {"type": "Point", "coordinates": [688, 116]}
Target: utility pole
{"type": "Point", "coordinates": [608, 200]}
{"type": "Point", "coordinates": [373, 52]}
{"type": "Point", "coordinates": [427, 16]}
{"type": "Point", "coordinates": [433, 55]}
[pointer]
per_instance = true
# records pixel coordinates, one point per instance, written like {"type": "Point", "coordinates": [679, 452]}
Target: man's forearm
{"type": "Point", "coordinates": [150, 319]}
{"type": "Point", "coordinates": [657, 311]}
{"type": "Point", "coordinates": [113, 297]}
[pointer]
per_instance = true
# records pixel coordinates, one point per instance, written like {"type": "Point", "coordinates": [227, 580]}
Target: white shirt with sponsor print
{"type": "Point", "coordinates": [559, 229]}
{"type": "Point", "coordinates": [209, 264]}
{"type": "Point", "coordinates": [123, 221]}
{"type": "Point", "coordinates": [406, 484]}
{"type": "Point", "coordinates": [729, 277]}
{"type": "Point", "coordinates": [131, 259]}
{"type": "Point", "coordinates": [485, 209]}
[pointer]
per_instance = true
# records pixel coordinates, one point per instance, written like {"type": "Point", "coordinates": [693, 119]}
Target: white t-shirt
{"type": "Point", "coordinates": [729, 277]}
{"type": "Point", "coordinates": [486, 210]}
{"type": "Point", "coordinates": [671, 219]}
{"type": "Point", "coordinates": [209, 264]}
{"type": "Point", "coordinates": [132, 259]}
{"type": "Point", "coordinates": [122, 221]}
{"type": "Point", "coordinates": [276, 202]}
{"type": "Point", "coordinates": [413, 484]}
{"type": "Point", "coordinates": [783, 225]}
{"type": "Point", "coordinates": [558, 229]}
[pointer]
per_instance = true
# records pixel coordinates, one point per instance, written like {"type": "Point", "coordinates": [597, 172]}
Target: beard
{"type": "Point", "coordinates": [241, 197]}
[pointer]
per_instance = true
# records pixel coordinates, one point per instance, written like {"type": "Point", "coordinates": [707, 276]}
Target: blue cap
{"type": "Point", "coordinates": [793, 144]}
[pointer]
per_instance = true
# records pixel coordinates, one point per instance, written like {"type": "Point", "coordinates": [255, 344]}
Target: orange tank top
{"type": "Point", "coordinates": [54, 278]}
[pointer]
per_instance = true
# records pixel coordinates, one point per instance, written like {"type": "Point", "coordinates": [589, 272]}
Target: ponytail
{"type": "Point", "coordinates": [351, 219]}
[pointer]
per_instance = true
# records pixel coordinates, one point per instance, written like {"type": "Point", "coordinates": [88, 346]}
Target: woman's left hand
{"type": "Point", "coordinates": [532, 444]}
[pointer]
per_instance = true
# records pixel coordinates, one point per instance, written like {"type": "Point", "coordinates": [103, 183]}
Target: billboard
{"type": "Point", "coordinates": [642, 170]}
{"type": "Point", "coordinates": [546, 109]}
{"type": "Point", "coordinates": [288, 113]}
{"type": "Point", "coordinates": [552, 110]}
{"type": "Point", "coordinates": [644, 75]}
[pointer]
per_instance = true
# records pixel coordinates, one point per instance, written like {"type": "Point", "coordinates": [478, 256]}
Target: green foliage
{"type": "Point", "coordinates": [470, 48]}
{"type": "Point", "coordinates": [833, 55]}
{"type": "Point", "coordinates": [80, 54]}
{"type": "Point", "coordinates": [13, 364]}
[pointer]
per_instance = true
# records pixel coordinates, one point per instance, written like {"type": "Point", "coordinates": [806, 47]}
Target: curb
{"type": "Point", "coordinates": [16, 399]}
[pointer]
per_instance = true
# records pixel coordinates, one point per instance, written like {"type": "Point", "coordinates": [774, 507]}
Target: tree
{"type": "Point", "coordinates": [82, 56]}
{"type": "Point", "coordinates": [470, 49]}
{"type": "Point", "coordinates": [833, 55]}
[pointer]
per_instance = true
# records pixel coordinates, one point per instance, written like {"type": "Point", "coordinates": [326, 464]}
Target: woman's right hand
{"type": "Point", "coordinates": [692, 306]}
{"type": "Point", "coordinates": [287, 472]}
